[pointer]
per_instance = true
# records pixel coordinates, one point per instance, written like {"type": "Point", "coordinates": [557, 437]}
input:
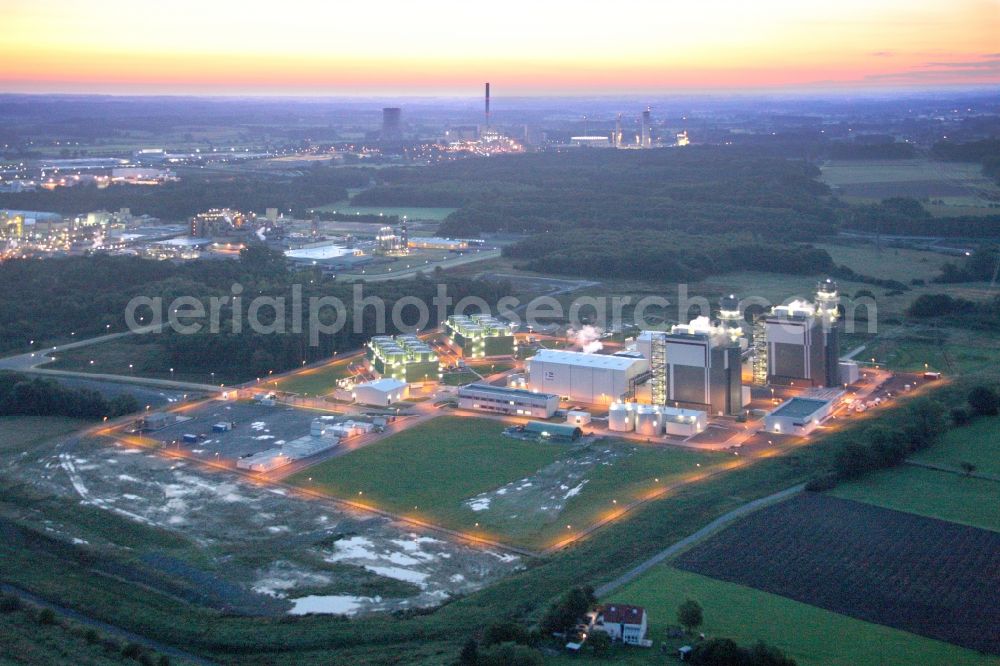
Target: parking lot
{"type": "Point", "coordinates": [255, 428]}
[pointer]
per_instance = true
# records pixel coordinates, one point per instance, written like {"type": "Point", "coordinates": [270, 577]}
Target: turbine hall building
{"type": "Point", "coordinates": [802, 341]}
{"type": "Point", "coordinates": [404, 357]}
{"type": "Point", "coordinates": [480, 335]}
{"type": "Point", "coordinates": [696, 366]}
{"type": "Point", "coordinates": [588, 378]}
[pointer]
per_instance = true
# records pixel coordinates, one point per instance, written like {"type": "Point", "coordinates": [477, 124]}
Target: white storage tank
{"type": "Point", "coordinates": [621, 417]}
{"type": "Point", "coordinates": [648, 421]}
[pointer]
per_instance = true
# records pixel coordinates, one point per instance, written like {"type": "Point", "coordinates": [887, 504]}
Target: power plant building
{"type": "Point", "coordinates": [802, 341]}
{"type": "Point", "coordinates": [392, 125]}
{"type": "Point", "coordinates": [406, 358]}
{"type": "Point", "coordinates": [588, 378]}
{"type": "Point", "coordinates": [480, 335]}
{"type": "Point", "coordinates": [696, 366]}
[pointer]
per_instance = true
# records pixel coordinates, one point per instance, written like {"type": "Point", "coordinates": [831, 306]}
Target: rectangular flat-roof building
{"type": "Point", "coordinates": [502, 400]}
{"type": "Point", "coordinates": [589, 378]}
{"type": "Point", "coordinates": [798, 416]}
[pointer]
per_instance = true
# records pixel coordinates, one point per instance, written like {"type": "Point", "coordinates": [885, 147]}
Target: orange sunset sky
{"type": "Point", "coordinates": [532, 47]}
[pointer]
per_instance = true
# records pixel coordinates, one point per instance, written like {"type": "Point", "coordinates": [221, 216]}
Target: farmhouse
{"type": "Point", "coordinates": [622, 622]}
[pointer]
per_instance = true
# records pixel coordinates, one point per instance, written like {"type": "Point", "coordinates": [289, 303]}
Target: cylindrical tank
{"type": "Point", "coordinates": [648, 421]}
{"type": "Point", "coordinates": [621, 417]}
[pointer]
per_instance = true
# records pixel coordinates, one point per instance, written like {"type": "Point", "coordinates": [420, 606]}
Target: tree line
{"type": "Point", "coordinates": [38, 396]}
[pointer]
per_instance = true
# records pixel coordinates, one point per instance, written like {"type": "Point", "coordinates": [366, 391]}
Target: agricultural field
{"type": "Point", "coordinates": [957, 184]}
{"type": "Point", "coordinates": [927, 492]}
{"type": "Point", "coordinates": [905, 571]}
{"type": "Point", "coordinates": [462, 473]}
{"type": "Point", "coordinates": [747, 615]}
{"type": "Point", "coordinates": [315, 381]}
{"type": "Point", "coordinates": [977, 443]}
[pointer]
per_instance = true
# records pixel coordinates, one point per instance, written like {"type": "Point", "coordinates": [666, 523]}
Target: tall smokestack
{"type": "Point", "coordinates": [487, 104]}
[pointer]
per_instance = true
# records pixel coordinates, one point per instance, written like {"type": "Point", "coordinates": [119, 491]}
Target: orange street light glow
{"type": "Point", "coordinates": [446, 47]}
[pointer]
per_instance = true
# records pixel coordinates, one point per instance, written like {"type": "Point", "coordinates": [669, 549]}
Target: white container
{"type": "Point", "coordinates": [621, 417]}
{"type": "Point", "coordinates": [648, 421]}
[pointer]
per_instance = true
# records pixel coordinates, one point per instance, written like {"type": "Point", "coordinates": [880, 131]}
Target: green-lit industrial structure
{"type": "Point", "coordinates": [403, 357]}
{"type": "Point", "coordinates": [481, 335]}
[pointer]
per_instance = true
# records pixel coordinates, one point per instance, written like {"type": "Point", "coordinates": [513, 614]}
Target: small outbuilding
{"type": "Point", "coordinates": [559, 432]}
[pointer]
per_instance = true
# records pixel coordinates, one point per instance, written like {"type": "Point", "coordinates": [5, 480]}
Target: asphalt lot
{"type": "Point", "coordinates": [256, 428]}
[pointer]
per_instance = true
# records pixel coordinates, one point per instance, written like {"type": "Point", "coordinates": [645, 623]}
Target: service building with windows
{"type": "Point", "coordinates": [511, 401]}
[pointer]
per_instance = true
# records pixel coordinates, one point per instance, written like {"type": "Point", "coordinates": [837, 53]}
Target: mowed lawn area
{"type": "Point", "coordinates": [810, 635]}
{"type": "Point", "coordinates": [315, 381]}
{"type": "Point", "coordinates": [930, 493]}
{"type": "Point", "coordinates": [977, 443]}
{"type": "Point", "coordinates": [533, 489]}
{"type": "Point", "coordinates": [427, 470]}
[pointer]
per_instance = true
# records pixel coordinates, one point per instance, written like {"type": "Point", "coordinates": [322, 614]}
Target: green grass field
{"type": "Point", "coordinates": [317, 381]}
{"type": "Point", "coordinates": [961, 352]}
{"type": "Point", "coordinates": [977, 443]}
{"type": "Point", "coordinates": [432, 466]}
{"type": "Point", "coordinates": [810, 635]}
{"type": "Point", "coordinates": [633, 478]}
{"type": "Point", "coordinates": [23, 433]}
{"type": "Point", "coordinates": [929, 493]}
{"type": "Point", "coordinates": [847, 172]}
{"type": "Point", "coordinates": [25, 640]}
{"type": "Point", "coordinates": [889, 264]}
{"type": "Point", "coordinates": [452, 459]}
{"type": "Point", "coordinates": [459, 378]}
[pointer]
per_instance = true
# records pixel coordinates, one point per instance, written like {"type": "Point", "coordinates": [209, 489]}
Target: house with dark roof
{"type": "Point", "coordinates": [622, 622]}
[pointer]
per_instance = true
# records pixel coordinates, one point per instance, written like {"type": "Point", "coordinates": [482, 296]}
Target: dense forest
{"type": "Point", "coordinates": [195, 193]}
{"type": "Point", "coordinates": [88, 295]}
{"type": "Point", "coordinates": [704, 190]}
{"type": "Point", "coordinates": [661, 256]}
